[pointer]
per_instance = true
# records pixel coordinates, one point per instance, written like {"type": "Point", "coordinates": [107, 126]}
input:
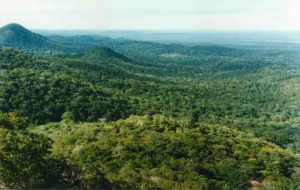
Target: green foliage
{"type": "Point", "coordinates": [12, 121]}
{"type": "Point", "coordinates": [163, 153]}
{"type": "Point", "coordinates": [45, 96]}
{"type": "Point", "coordinates": [25, 160]}
{"type": "Point", "coordinates": [15, 35]}
{"type": "Point", "coordinates": [196, 90]}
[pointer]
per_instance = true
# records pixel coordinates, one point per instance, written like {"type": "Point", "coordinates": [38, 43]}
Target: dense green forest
{"type": "Point", "coordinates": [101, 113]}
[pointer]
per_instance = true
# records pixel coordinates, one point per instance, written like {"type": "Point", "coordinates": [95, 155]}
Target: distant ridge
{"type": "Point", "coordinates": [104, 53]}
{"type": "Point", "coordinates": [15, 35]}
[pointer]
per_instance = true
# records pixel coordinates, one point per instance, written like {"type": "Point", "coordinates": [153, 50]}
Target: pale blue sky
{"type": "Point", "coordinates": [153, 14]}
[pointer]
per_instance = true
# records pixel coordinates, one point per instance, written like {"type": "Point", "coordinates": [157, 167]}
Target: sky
{"type": "Point", "coordinates": [153, 14]}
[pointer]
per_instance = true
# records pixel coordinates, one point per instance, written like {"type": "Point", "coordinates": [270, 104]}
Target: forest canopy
{"type": "Point", "coordinates": [97, 113]}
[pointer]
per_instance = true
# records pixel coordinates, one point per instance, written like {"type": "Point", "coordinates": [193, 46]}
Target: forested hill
{"type": "Point", "coordinates": [126, 114]}
{"type": "Point", "coordinates": [17, 36]}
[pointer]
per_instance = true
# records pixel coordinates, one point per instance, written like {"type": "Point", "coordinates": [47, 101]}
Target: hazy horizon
{"type": "Point", "coordinates": [189, 37]}
{"type": "Point", "coordinates": [154, 15]}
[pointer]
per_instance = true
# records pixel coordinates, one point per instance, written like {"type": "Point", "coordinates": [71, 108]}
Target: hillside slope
{"type": "Point", "coordinates": [240, 106]}
{"type": "Point", "coordinates": [15, 35]}
{"type": "Point", "coordinates": [164, 153]}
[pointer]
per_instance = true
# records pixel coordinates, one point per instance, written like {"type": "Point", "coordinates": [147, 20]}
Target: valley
{"type": "Point", "coordinates": [94, 112]}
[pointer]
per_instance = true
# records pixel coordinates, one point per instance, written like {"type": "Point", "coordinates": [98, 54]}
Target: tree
{"type": "Point", "coordinates": [25, 160]}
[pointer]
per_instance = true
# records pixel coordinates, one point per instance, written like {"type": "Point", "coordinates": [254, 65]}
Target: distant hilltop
{"type": "Point", "coordinates": [15, 35]}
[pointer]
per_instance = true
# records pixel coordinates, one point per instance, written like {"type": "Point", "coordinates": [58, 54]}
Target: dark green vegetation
{"type": "Point", "coordinates": [17, 36]}
{"type": "Point", "coordinates": [25, 159]}
{"type": "Point", "coordinates": [119, 114]}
